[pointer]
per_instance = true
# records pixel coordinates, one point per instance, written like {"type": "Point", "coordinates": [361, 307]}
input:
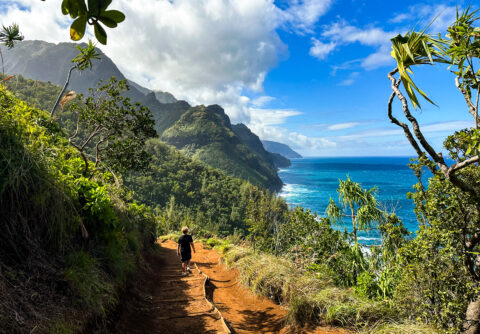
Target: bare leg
{"type": "Point", "coordinates": [184, 266]}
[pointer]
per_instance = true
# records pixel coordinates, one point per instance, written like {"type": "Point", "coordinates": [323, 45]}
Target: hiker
{"type": "Point", "coordinates": [184, 250]}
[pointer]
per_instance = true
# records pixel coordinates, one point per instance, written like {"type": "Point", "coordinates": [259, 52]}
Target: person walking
{"type": "Point", "coordinates": [184, 249]}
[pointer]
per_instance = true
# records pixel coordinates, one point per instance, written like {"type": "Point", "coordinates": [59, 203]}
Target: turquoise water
{"type": "Point", "coordinates": [310, 182]}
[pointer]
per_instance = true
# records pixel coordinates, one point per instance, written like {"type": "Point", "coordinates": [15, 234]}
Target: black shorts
{"type": "Point", "coordinates": [186, 256]}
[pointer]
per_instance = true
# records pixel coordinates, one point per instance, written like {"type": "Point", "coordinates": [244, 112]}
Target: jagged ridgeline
{"type": "Point", "coordinates": [182, 190]}
{"type": "Point", "coordinates": [204, 133]}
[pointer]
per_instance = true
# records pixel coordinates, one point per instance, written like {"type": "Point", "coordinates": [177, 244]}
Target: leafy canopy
{"type": "Point", "coordinates": [93, 13]}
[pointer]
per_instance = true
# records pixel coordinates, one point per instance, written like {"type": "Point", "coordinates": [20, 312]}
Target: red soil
{"type": "Point", "coordinates": [166, 302]}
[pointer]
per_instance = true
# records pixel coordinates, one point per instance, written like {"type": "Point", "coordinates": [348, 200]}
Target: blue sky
{"type": "Point", "coordinates": [309, 73]}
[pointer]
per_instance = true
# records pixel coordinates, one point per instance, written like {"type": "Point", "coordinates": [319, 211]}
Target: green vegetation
{"type": "Point", "coordinates": [38, 94]}
{"type": "Point", "coordinates": [72, 234]}
{"type": "Point", "coordinates": [86, 233]}
{"type": "Point", "coordinates": [185, 191]}
{"type": "Point", "coordinates": [441, 276]}
{"type": "Point", "coordinates": [205, 133]}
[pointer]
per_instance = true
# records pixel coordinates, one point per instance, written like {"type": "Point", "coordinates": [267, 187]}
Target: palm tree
{"type": "Point", "coordinates": [358, 204]}
{"type": "Point", "coordinates": [9, 36]}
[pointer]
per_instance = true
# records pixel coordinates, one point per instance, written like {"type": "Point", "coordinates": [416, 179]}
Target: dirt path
{"type": "Point", "coordinates": [244, 311]}
{"type": "Point", "coordinates": [166, 302]}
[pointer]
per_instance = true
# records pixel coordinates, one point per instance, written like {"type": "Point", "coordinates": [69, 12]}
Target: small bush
{"type": "Point", "coordinates": [212, 242]}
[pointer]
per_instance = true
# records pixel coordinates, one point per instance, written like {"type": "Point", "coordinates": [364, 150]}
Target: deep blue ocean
{"type": "Point", "coordinates": [310, 182]}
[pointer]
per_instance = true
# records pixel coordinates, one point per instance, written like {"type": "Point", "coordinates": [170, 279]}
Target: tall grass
{"type": "Point", "coordinates": [313, 298]}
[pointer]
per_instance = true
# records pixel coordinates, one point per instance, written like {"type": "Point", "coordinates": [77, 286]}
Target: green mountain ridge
{"type": "Point", "coordinates": [283, 149]}
{"type": "Point", "coordinates": [205, 133]}
{"type": "Point", "coordinates": [50, 62]}
{"type": "Point", "coordinates": [252, 140]}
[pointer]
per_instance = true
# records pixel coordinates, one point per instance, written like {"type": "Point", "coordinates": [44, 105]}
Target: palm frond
{"type": "Point", "coordinates": [10, 35]}
{"type": "Point", "coordinates": [415, 48]}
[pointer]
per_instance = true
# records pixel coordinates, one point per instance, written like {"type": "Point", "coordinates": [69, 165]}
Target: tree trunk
{"type": "Point", "coordinates": [471, 325]}
{"type": "Point", "coordinates": [63, 91]}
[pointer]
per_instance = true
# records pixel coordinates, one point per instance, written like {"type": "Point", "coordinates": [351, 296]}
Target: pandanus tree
{"type": "Point", "coordinates": [80, 63]}
{"type": "Point", "coordinates": [361, 207]}
{"type": "Point", "coordinates": [9, 36]}
{"type": "Point", "coordinates": [358, 204]}
{"type": "Point", "coordinates": [450, 207]}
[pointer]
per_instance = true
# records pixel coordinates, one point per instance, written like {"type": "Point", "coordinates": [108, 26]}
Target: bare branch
{"type": "Point", "coordinates": [416, 128]}
{"type": "Point", "coordinates": [449, 173]}
{"type": "Point", "coordinates": [476, 107]}
{"type": "Point", "coordinates": [97, 131]}
{"type": "Point", "coordinates": [405, 127]}
{"type": "Point", "coordinates": [471, 107]}
{"type": "Point", "coordinates": [98, 150]}
{"type": "Point", "coordinates": [459, 165]}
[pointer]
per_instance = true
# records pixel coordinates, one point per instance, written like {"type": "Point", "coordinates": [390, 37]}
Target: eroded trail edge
{"type": "Point", "coordinates": [210, 300]}
{"type": "Point", "coordinates": [164, 301]}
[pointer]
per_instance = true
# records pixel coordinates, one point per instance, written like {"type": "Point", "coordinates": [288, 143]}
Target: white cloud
{"type": "Point", "coordinates": [346, 33]}
{"type": "Point", "coordinates": [321, 50]}
{"type": "Point", "coordinates": [203, 51]}
{"type": "Point", "coordinates": [297, 141]}
{"type": "Point", "coordinates": [262, 101]}
{"type": "Point", "coordinates": [267, 117]}
{"type": "Point", "coordinates": [400, 18]}
{"type": "Point", "coordinates": [36, 19]}
{"type": "Point", "coordinates": [342, 126]}
{"type": "Point", "coordinates": [431, 128]}
{"type": "Point", "coordinates": [439, 16]}
{"type": "Point", "coordinates": [350, 80]}
{"type": "Point", "coordinates": [342, 33]}
{"type": "Point", "coordinates": [303, 14]}
{"type": "Point", "coordinates": [379, 58]}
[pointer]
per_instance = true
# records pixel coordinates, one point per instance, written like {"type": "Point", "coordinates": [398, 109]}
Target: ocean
{"type": "Point", "coordinates": [311, 182]}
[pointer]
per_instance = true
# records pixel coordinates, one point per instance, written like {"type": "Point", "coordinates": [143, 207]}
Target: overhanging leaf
{"type": "Point", "coordinates": [77, 29]}
{"type": "Point", "coordinates": [114, 15]}
{"type": "Point", "coordinates": [100, 33]}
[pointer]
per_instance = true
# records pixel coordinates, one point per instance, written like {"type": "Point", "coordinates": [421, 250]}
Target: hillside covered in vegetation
{"type": "Point", "coordinates": [39, 60]}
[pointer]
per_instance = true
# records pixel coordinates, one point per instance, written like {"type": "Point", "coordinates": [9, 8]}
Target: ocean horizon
{"type": "Point", "coordinates": [310, 182]}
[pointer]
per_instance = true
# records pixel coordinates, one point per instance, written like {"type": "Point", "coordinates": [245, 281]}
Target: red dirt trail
{"type": "Point", "coordinates": [166, 302]}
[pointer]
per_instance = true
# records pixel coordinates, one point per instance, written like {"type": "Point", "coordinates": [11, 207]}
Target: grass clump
{"type": "Point", "coordinates": [400, 328]}
{"type": "Point", "coordinates": [84, 276]}
{"type": "Point", "coordinates": [311, 297]}
{"type": "Point", "coordinates": [170, 236]}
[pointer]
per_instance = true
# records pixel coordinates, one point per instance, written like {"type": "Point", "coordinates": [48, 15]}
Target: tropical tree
{"type": "Point", "coordinates": [361, 207]}
{"type": "Point", "coordinates": [80, 63]}
{"type": "Point", "coordinates": [358, 204]}
{"type": "Point", "coordinates": [110, 130]}
{"type": "Point", "coordinates": [460, 49]}
{"type": "Point", "coordinates": [9, 36]}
